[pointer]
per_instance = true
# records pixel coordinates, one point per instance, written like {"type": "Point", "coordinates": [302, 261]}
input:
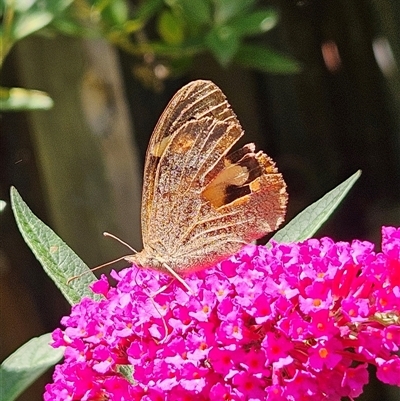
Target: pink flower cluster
{"type": "Point", "coordinates": [291, 322]}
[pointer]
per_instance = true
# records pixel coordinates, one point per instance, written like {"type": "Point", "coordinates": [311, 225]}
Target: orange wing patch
{"type": "Point", "coordinates": [217, 190]}
{"type": "Point", "coordinates": [239, 178]}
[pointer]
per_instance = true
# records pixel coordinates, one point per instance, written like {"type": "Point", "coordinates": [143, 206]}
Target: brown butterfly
{"type": "Point", "coordinates": [199, 203]}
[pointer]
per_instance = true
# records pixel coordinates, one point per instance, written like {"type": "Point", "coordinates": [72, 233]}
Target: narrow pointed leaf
{"type": "Point", "coordinates": [30, 22]}
{"type": "Point", "coordinates": [256, 22]}
{"type": "Point", "coordinates": [223, 44]}
{"type": "Point", "coordinates": [31, 16]}
{"type": "Point", "coordinates": [267, 60]}
{"type": "Point", "coordinates": [196, 13]}
{"type": "Point", "coordinates": [57, 259]}
{"type": "Point", "coordinates": [227, 9]}
{"type": "Point", "coordinates": [306, 223]}
{"type": "Point", "coordinates": [171, 28]}
{"type": "Point", "coordinates": [25, 365]}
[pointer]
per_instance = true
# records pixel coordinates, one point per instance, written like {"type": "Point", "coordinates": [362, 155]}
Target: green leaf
{"type": "Point", "coordinates": [25, 6]}
{"type": "Point", "coordinates": [196, 13]}
{"type": "Point", "coordinates": [185, 49]}
{"type": "Point", "coordinates": [17, 99]}
{"type": "Point", "coordinates": [148, 8]}
{"type": "Point", "coordinates": [31, 16]}
{"type": "Point", "coordinates": [57, 259]}
{"type": "Point", "coordinates": [228, 9]}
{"type": "Point", "coordinates": [266, 60]}
{"type": "Point", "coordinates": [306, 223]}
{"type": "Point", "coordinates": [132, 25]}
{"type": "Point", "coordinates": [26, 24]}
{"type": "Point", "coordinates": [223, 43]}
{"type": "Point", "coordinates": [171, 28]}
{"type": "Point", "coordinates": [256, 22]}
{"type": "Point", "coordinates": [71, 26]}
{"type": "Point", "coordinates": [115, 13]}
{"type": "Point", "coordinates": [25, 365]}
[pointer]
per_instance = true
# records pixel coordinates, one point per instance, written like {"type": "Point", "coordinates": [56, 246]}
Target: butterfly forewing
{"type": "Point", "coordinates": [201, 204]}
{"type": "Point", "coordinates": [194, 101]}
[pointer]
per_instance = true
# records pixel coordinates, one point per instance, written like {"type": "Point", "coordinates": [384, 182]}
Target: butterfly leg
{"type": "Point", "coordinates": [162, 289]}
{"type": "Point", "coordinates": [175, 275]}
{"type": "Point", "coordinates": [151, 298]}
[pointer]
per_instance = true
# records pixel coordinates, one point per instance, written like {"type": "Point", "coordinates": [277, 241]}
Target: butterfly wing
{"type": "Point", "coordinates": [196, 100]}
{"type": "Point", "coordinates": [199, 203]}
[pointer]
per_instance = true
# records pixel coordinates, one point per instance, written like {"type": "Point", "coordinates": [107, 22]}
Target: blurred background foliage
{"type": "Point", "coordinates": [315, 83]}
{"type": "Point", "coordinates": [173, 32]}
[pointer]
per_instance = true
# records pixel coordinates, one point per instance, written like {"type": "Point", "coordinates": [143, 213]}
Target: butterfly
{"type": "Point", "coordinates": [201, 203]}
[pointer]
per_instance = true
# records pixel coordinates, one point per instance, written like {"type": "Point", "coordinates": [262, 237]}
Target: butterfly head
{"type": "Point", "coordinates": [148, 260]}
{"type": "Point", "coordinates": [144, 259]}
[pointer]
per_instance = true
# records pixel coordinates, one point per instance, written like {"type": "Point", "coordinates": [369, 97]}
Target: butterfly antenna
{"type": "Point", "coordinates": [95, 268]}
{"type": "Point", "coordinates": [106, 234]}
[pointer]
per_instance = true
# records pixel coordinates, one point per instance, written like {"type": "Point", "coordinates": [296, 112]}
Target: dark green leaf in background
{"type": "Point", "coordinates": [196, 13]}
{"type": "Point", "coordinates": [29, 23]}
{"type": "Point", "coordinates": [266, 60]}
{"type": "Point", "coordinates": [255, 23]}
{"type": "Point", "coordinates": [223, 44]}
{"type": "Point", "coordinates": [171, 28]}
{"type": "Point", "coordinates": [228, 9]}
{"type": "Point", "coordinates": [30, 16]}
{"type": "Point", "coordinates": [71, 26]}
{"type": "Point", "coordinates": [115, 13]}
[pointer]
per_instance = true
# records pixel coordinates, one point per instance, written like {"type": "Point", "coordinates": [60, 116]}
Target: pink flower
{"type": "Point", "coordinates": [287, 322]}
